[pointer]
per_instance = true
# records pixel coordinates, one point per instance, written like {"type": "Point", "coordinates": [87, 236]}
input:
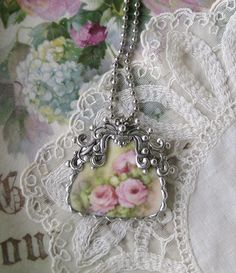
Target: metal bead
{"type": "Point", "coordinates": [150, 130]}
{"type": "Point", "coordinates": [132, 115]}
{"type": "Point", "coordinates": [145, 138]}
{"type": "Point", "coordinates": [129, 77]}
{"type": "Point", "coordinates": [168, 145]}
{"type": "Point", "coordinates": [117, 122]}
{"type": "Point", "coordinates": [127, 68]}
{"type": "Point", "coordinates": [115, 64]}
{"type": "Point", "coordinates": [154, 162]}
{"type": "Point", "coordinates": [122, 128]}
{"type": "Point", "coordinates": [121, 44]}
{"type": "Point", "coordinates": [121, 50]}
{"type": "Point", "coordinates": [136, 121]}
{"type": "Point", "coordinates": [125, 17]}
{"type": "Point", "coordinates": [113, 81]}
{"type": "Point", "coordinates": [110, 107]}
{"type": "Point", "coordinates": [144, 151]}
{"type": "Point", "coordinates": [126, 8]}
{"type": "Point", "coordinates": [114, 73]}
{"type": "Point", "coordinates": [172, 170]}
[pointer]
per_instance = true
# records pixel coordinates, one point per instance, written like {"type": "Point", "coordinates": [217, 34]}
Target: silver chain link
{"type": "Point", "coordinates": [126, 51]}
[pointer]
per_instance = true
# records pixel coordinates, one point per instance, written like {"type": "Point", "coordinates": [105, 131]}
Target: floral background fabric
{"type": "Point", "coordinates": [50, 50]}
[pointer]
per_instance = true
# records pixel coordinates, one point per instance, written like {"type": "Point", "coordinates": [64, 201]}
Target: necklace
{"type": "Point", "coordinates": [129, 164]}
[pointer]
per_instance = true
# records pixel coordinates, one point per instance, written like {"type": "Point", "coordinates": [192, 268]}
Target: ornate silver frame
{"type": "Point", "coordinates": [149, 153]}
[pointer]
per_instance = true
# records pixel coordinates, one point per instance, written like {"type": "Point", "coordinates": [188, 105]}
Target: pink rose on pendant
{"type": "Point", "coordinates": [131, 193]}
{"type": "Point", "coordinates": [103, 198]}
{"type": "Point", "coordinates": [50, 10]}
{"type": "Point", "coordinates": [90, 34]}
{"type": "Point", "coordinates": [124, 163]}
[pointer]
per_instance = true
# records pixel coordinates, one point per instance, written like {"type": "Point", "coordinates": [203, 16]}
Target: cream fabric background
{"type": "Point", "coordinates": [212, 210]}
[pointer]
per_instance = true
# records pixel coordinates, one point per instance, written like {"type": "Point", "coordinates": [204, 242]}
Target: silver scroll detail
{"type": "Point", "coordinates": [93, 150]}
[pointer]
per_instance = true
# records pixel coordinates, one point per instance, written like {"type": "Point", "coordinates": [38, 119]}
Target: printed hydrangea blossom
{"type": "Point", "coordinates": [119, 188]}
{"type": "Point", "coordinates": [49, 86]}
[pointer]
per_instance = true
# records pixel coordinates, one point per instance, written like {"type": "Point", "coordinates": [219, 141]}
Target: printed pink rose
{"type": "Point", "coordinates": [131, 192]}
{"type": "Point", "coordinates": [124, 163]}
{"type": "Point", "coordinates": [90, 34]}
{"type": "Point", "coordinates": [103, 198]}
{"type": "Point", "coordinates": [50, 10]}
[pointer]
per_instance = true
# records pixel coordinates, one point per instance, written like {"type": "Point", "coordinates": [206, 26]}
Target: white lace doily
{"type": "Point", "coordinates": [188, 70]}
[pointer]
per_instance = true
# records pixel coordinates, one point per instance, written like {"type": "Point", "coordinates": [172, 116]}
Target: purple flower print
{"type": "Point", "coordinates": [90, 34]}
{"type": "Point", "coordinates": [50, 10]}
{"type": "Point", "coordinates": [124, 163]}
{"type": "Point", "coordinates": [131, 193]}
{"type": "Point", "coordinates": [103, 199]}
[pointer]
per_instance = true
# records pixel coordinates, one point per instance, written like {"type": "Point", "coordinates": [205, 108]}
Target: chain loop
{"type": "Point", "coordinates": [126, 53]}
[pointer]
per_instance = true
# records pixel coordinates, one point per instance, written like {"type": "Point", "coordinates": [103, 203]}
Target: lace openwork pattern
{"type": "Point", "coordinates": [188, 71]}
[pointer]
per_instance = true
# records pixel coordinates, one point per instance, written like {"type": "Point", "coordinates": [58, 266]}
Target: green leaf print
{"type": "Point", "coordinates": [83, 16]}
{"type": "Point", "coordinates": [14, 129]}
{"type": "Point", "coordinates": [48, 31]}
{"type": "Point", "coordinates": [10, 13]}
{"type": "Point", "coordinates": [6, 101]}
{"type": "Point", "coordinates": [18, 54]}
{"type": "Point", "coordinates": [91, 56]}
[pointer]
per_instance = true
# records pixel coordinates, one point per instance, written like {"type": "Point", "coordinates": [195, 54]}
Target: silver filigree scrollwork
{"type": "Point", "coordinates": [93, 151]}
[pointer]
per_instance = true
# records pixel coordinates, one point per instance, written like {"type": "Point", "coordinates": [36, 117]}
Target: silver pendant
{"type": "Point", "coordinates": [119, 172]}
